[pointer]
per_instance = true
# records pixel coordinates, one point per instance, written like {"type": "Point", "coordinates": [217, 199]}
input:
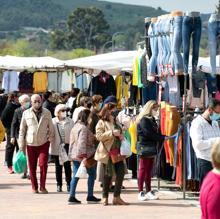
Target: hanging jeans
{"type": "Point", "coordinates": [152, 67]}
{"type": "Point", "coordinates": [90, 183]}
{"type": "Point", "coordinates": [192, 26]}
{"type": "Point", "coordinates": [177, 43]}
{"type": "Point", "coordinates": [159, 27]}
{"type": "Point", "coordinates": [149, 92]}
{"type": "Point", "coordinates": [147, 39]}
{"type": "Point", "coordinates": [213, 36]}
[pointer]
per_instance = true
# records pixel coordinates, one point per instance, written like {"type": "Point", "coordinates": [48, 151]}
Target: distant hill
{"type": "Point", "coordinates": [15, 14]}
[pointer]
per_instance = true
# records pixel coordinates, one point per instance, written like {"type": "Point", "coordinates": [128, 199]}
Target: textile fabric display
{"type": "Point", "coordinates": [54, 81]}
{"type": "Point", "coordinates": [122, 88]}
{"type": "Point", "coordinates": [66, 81]}
{"type": "Point", "coordinates": [40, 82]}
{"type": "Point", "coordinates": [103, 84]}
{"type": "Point", "coordinates": [147, 39]}
{"type": "Point", "coordinates": [82, 80]}
{"type": "Point", "coordinates": [10, 81]}
{"type": "Point", "coordinates": [25, 82]}
{"type": "Point", "coordinates": [192, 28]}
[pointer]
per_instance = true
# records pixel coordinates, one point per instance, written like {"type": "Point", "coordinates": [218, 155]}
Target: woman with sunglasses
{"type": "Point", "coordinates": [62, 126]}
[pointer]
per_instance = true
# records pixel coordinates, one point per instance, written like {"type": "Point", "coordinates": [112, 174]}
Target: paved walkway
{"type": "Point", "coordinates": [17, 202]}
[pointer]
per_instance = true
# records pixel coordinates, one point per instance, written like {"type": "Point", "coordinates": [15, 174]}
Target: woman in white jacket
{"type": "Point", "coordinates": [60, 145]}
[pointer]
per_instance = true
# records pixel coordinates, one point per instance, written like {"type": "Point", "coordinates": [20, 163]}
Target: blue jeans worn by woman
{"type": "Point", "coordinates": [91, 180]}
{"type": "Point", "coordinates": [192, 27]}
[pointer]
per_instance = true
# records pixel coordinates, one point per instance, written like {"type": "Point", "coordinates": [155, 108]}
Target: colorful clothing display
{"type": "Point", "coordinates": [40, 82]}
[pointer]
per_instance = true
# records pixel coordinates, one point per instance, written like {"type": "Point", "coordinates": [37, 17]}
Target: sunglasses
{"type": "Point", "coordinates": [63, 110]}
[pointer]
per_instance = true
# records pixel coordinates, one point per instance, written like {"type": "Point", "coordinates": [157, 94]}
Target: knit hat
{"type": "Point", "coordinates": [110, 99]}
{"type": "Point", "coordinates": [58, 108]}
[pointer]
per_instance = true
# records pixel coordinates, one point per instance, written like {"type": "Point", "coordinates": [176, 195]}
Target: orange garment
{"type": "Point", "coordinates": [40, 82]}
{"type": "Point", "coordinates": [179, 168]}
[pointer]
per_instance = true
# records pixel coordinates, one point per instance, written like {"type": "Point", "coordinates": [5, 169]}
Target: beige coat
{"type": "Point", "coordinates": [55, 143]}
{"type": "Point", "coordinates": [104, 134]}
{"type": "Point", "coordinates": [34, 133]}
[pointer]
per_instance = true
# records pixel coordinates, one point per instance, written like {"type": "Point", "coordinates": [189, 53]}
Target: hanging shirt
{"type": "Point", "coordinates": [25, 82]}
{"type": "Point", "coordinates": [81, 81]}
{"type": "Point", "coordinates": [40, 82]}
{"type": "Point", "coordinates": [66, 81]}
{"type": "Point", "coordinates": [54, 81]}
{"type": "Point", "coordinates": [10, 81]}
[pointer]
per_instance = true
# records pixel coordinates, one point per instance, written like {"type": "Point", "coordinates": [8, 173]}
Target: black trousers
{"type": "Point", "coordinates": [204, 167]}
{"type": "Point", "coordinates": [59, 170]}
{"type": "Point", "coordinates": [119, 172]}
{"type": "Point", "coordinates": [10, 148]}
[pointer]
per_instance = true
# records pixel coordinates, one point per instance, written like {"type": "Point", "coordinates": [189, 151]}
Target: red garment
{"type": "Point", "coordinates": [144, 173]}
{"type": "Point", "coordinates": [35, 152]}
{"type": "Point", "coordinates": [210, 196]}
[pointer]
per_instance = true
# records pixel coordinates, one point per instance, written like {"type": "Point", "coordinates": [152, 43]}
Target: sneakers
{"type": "Point", "coordinates": [151, 196]}
{"type": "Point", "coordinates": [141, 196]}
{"type": "Point", "coordinates": [59, 188]}
{"type": "Point", "coordinates": [93, 200]}
{"type": "Point", "coordinates": [43, 191]}
{"type": "Point", "coordinates": [73, 201]}
{"type": "Point", "coordinates": [10, 170]}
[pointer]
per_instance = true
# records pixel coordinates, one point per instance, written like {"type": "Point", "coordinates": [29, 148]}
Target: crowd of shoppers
{"type": "Point", "coordinates": [80, 128]}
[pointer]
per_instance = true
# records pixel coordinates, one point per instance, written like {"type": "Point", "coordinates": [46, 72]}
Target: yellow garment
{"type": "Point", "coordinates": [40, 82]}
{"type": "Point", "coordinates": [122, 90]}
{"type": "Point", "coordinates": [172, 123]}
{"type": "Point", "coordinates": [133, 133]}
{"type": "Point", "coordinates": [135, 71]}
{"type": "Point", "coordinates": [2, 131]}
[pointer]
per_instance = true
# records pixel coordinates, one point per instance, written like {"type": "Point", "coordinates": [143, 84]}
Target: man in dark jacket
{"type": "Point", "coordinates": [3, 100]}
{"type": "Point", "coordinates": [6, 117]}
{"type": "Point", "coordinates": [48, 104]}
{"type": "Point", "coordinates": [24, 100]}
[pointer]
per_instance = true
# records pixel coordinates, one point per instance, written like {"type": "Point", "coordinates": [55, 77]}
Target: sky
{"type": "Point", "coordinates": [205, 6]}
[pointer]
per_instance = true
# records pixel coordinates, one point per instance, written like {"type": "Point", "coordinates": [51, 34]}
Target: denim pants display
{"type": "Point", "coordinates": [152, 67]}
{"type": "Point", "coordinates": [91, 180]}
{"type": "Point", "coordinates": [147, 39]}
{"type": "Point", "coordinates": [159, 28]}
{"type": "Point", "coordinates": [177, 43]}
{"type": "Point", "coordinates": [213, 37]}
{"type": "Point", "coordinates": [149, 92]}
{"type": "Point", "coordinates": [192, 27]}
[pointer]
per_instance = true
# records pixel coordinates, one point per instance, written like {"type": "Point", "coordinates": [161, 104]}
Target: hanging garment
{"type": "Point", "coordinates": [54, 81]}
{"type": "Point", "coordinates": [81, 81]}
{"type": "Point", "coordinates": [147, 39]}
{"type": "Point", "coordinates": [25, 82]}
{"type": "Point", "coordinates": [192, 28]}
{"type": "Point", "coordinates": [10, 81]}
{"type": "Point", "coordinates": [104, 86]}
{"type": "Point", "coordinates": [66, 81]}
{"type": "Point", "coordinates": [40, 82]}
{"type": "Point", "coordinates": [122, 89]}
{"type": "Point", "coordinates": [213, 38]}
{"type": "Point", "coordinates": [143, 70]}
{"type": "Point", "coordinates": [135, 71]}
{"type": "Point", "coordinates": [133, 133]}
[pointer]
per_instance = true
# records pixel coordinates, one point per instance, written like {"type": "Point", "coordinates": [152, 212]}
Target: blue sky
{"type": "Point", "coordinates": [170, 5]}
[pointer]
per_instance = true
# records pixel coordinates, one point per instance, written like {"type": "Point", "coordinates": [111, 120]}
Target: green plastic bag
{"type": "Point", "coordinates": [20, 162]}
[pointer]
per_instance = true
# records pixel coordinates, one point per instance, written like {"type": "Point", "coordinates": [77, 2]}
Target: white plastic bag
{"type": "Point", "coordinates": [125, 148]}
{"type": "Point", "coordinates": [82, 172]}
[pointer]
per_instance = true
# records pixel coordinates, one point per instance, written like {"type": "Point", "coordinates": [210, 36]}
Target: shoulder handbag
{"type": "Point", "coordinates": [63, 157]}
{"type": "Point", "coordinates": [90, 162]}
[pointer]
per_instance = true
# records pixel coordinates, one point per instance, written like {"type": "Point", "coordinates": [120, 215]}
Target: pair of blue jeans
{"type": "Point", "coordinates": [152, 32]}
{"type": "Point", "coordinates": [91, 180]}
{"type": "Point", "coordinates": [213, 37]}
{"type": "Point", "coordinates": [177, 43]}
{"type": "Point", "coordinates": [192, 27]}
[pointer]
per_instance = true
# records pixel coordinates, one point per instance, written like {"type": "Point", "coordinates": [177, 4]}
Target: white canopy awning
{"type": "Point", "coordinates": [14, 62]}
{"type": "Point", "coordinates": [114, 61]}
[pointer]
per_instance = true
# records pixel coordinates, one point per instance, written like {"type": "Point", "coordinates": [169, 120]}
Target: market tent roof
{"type": "Point", "coordinates": [109, 61]}
{"type": "Point", "coordinates": [14, 62]}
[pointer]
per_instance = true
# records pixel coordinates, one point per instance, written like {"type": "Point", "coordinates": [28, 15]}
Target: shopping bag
{"type": "Point", "coordinates": [125, 148]}
{"type": "Point", "coordinates": [63, 157]}
{"type": "Point", "coordinates": [20, 162]}
{"type": "Point", "coordinates": [82, 171]}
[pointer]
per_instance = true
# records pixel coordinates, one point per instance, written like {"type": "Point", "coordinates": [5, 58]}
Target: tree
{"type": "Point", "coordinates": [58, 40]}
{"type": "Point", "coordinates": [87, 28]}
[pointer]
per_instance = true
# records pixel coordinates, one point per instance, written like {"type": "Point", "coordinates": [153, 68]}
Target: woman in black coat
{"type": "Point", "coordinates": [148, 138]}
